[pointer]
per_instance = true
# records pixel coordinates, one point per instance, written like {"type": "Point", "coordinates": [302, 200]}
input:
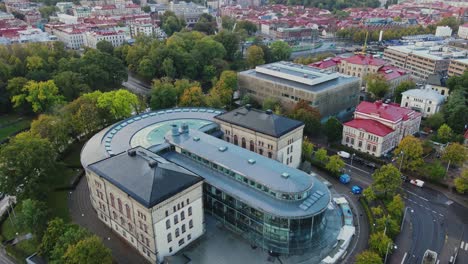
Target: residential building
{"type": "Point", "coordinates": [443, 31]}
{"type": "Point", "coordinates": [457, 67]}
{"type": "Point", "coordinates": [425, 101]}
{"type": "Point", "coordinates": [377, 127]}
{"type": "Point", "coordinates": [5, 15]}
{"type": "Point", "coordinates": [82, 11]}
{"type": "Point", "coordinates": [146, 27]}
{"type": "Point", "coordinates": [34, 35]}
{"type": "Point", "coordinates": [330, 92]}
{"type": "Point", "coordinates": [191, 12]}
{"type": "Point", "coordinates": [278, 208]}
{"type": "Point", "coordinates": [72, 37]}
{"type": "Point", "coordinates": [331, 64]}
{"type": "Point", "coordinates": [64, 7]}
{"type": "Point", "coordinates": [463, 31]}
{"type": "Point", "coordinates": [265, 133]}
{"type": "Point", "coordinates": [158, 210]}
{"type": "Point", "coordinates": [437, 83]}
{"type": "Point", "coordinates": [423, 59]}
{"type": "Point", "coordinates": [116, 38]}
{"type": "Point", "coordinates": [67, 19]}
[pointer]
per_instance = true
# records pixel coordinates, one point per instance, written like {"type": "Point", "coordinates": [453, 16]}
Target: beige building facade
{"type": "Point", "coordinates": [457, 67]}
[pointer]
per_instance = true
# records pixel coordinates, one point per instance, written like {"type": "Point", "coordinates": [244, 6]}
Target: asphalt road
{"type": "Point", "coordinates": [432, 222]}
{"type": "Point", "coordinates": [136, 86]}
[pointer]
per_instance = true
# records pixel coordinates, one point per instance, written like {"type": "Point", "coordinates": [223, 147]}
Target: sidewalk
{"type": "Point", "coordinates": [461, 199]}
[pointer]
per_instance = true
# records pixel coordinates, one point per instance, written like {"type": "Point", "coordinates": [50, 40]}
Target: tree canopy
{"type": "Point", "coordinates": [89, 250]}
{"type": "Point", "coordinates": [461, 182]}
{"type": "Point", "coordinates": [333, 129]}
{"type": "Point", "coordinates": [254, 56]}
{"type": "Point", "coordinates": [386, 180]}
{"type": "Point", "coordinates": [280, 50]}
{"type": "Point", "coordinates": [409, 153]}
{"type": "Point", "coordinates": [377, 85]}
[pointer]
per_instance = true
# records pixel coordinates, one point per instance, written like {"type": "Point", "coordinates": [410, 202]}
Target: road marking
{"type": "Point", "coordinates": [356, 168]}
{"type": "Point", "coordinates": [438, 261]}
{"type": "Point", "coordinates": [466, 246]}
{"type": "Point", "coordinates": [441, 215]}
{"type": "Point", "coordinates": [404, 257]}
{"type": "Point", "coordinates": [434, 212]}
{"type": "Point", "coordinates": [420, 197]}
{"type": "Point", "coordinates": [462, 244]}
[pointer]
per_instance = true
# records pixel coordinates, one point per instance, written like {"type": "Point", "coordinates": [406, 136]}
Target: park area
{"type": "Point", "coordinates": [12, 124]}
{"type": "Point", "coordinates": [68, 169]}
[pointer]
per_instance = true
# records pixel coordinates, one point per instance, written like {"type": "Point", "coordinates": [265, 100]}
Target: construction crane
{"type": "Point", "coordinates": [363, 51]}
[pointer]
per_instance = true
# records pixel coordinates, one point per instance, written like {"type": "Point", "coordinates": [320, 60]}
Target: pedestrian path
{"type": "Point", "coordinates": [464, 245]}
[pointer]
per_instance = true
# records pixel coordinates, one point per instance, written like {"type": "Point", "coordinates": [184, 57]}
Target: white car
{"type": "Point", "coordinates": [418, 183]}
{"type": "Point", "coordinates": [344, 154]}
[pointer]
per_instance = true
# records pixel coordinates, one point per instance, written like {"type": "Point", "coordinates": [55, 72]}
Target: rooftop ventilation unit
{"type": "Point", "coordinates": [222, 149]}
{"type": "Point", "coordinates": [305, 75]}
{"type": "Point", "coordinates": [196, 139]}
{"type": "Point", "coordinates": [152, 163]}
{"type": "Point", "coordinates": [132, 153]}
{"type": "Point", "coordinates": [251, 161]}
{"type": "Point", "coordinates": [285, 175]}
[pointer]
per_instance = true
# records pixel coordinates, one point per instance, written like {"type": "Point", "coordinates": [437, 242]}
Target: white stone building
{"type": "Point", "coordinates": [443, 31]}
{"type": "Point", "coordinates": [265, 133]}
{"type": "Point", "coordinates": [377, 127]}
{"type": "Point", "coordinates": [463, 31]}
{"type": "Point", "coordinates": [116, 38]}
{"type": "Point", "coordinates": [72, 37]}
{"type": "Point", "coordinates": [154, 205]}
{"type": "Point", "coordinates": [425, 101]}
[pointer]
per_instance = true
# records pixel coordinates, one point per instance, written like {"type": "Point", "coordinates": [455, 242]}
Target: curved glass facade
{"type": "Point", "coordinates": [277, 234]}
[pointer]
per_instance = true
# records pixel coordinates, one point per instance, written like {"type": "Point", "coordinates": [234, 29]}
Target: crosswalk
{"type": "Point", "coordinates": [464, 245]}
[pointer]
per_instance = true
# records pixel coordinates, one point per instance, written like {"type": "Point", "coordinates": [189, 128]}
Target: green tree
{"type": "Point", "coordinates": [15, 85]}
{"type": "Point", "coordinates": [396, 206]}
{"type": "Point", "coordinates": [307, 149]}
{"type": "Point", "coordinates": [105, 46]}
{"type": "Point", "coordinates": [434, 171]}
{"type": "Point", "coordinates": [230, 42]}
{"type": "Point", "coordinates": [402, 87]}
{"type": "Point", "coordinates": [83, 116]}
{"type": "Point", "coordinates": [146, 9]}
{"type": "Point", "coordinates": [55, 229]}
{"type": "Point", "coordinates": [168, 68]}
{"type": "Point", "coordinates": [163, 95]}
{"type": "Point", "coordinates": [254, 56]}
{"type": "Point", "coordinates": [386, 180]}
{"type": "Point", "coordinates": [27, 163]}
{"type": "Point", "coordinates": [435, 121]}
{"type": "Point", "coordinates": [309, 115]}
{"type": "Point", "coordinates": [170, 23]}
{"type": "Point", "coordinates": [90, 250]}
{"type": "Point", "coordinates": [47, 11]}
{"type": "Point", "coordinates": [452, 22]}
{"type": "Point", "coordinates": [409, 153]}
{"type": "Point", "coordinates": [71, 84]}
{"type": "Point", "coordinates": [270, 103]}
{"type": "Point", "coordinates": [455, 153]}
{"type": "Point", "coordinates": [377, 85]}
{"type": "Point", "coordinates": [321, 155]}
{"type": "Point", "coordinates": [335, 164]}
{"type": "Point", "coordinates": [192, 97]}
{"type": "Point", "coordinates": [387, 224]}
{"type": "Point", "coordinates": [42, 96]}
{"type": "Point", "coordinates": [120, 103]}
{"type": "Point", "coordinates": [72, 235]}
{"type": "Point", "coordinates": [369, 194]}
{"type": "Point", "coordinates": [378, 242]}
{"type": "Point", "coordinates": [444, 134]}
{"type": "Point", "coordinates": [33, 217]}
{"type": "Point", "coordinates": [280, 50]}
{"type": "Point", "coordinates": [53, 129]}
{"type": "Point", "coordinates": [368, 257]}
{"type": "Point", "coordinates": [228, 22]}
{"type": "Point", "coordinates": [248, 26]}
{"type": "Point", "coordinates": [333, 129]}
{"type": "Point", "coordinates": [461, 182]}
{"type": "Point", "coordinates": [206, 24]}
{"type": "Point", "coordinates": [146, 68]}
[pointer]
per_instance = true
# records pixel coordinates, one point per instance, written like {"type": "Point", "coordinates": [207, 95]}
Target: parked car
{"type": "Point", "coordinates": [356, 189]}
{"type": "Point", "coordinates": [344, 154]}
{"type": "Point", "coordinates": [418, 183]}
{"type": "Point", "coordinates": [404, 178]}
{"type": "Point", "coordinates": [371, 165]}
{"type": "Point", "coordinates": [344, 178]}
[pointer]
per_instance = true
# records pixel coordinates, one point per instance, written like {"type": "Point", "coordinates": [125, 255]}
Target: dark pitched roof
{"type": "Point", "coordinates": [261, 121]}
{"type": "Point", "coordinates": [436, 79]}
{"type": "Point", "coordinates": [145, 176]}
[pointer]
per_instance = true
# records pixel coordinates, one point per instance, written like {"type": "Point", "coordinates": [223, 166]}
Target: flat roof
{"type": "Point", "coordinates": [464, 61]}
{"type": "Point", "coordinates": [425, 51]}
{"type": "Point", "coordinates": [292, 75]}
{"type": "Point", "coordinates": [145, 176]}
{"type": "Point", "coordinates": [260, 121]}
{"type": "Point", "coordinates": [251, 196]}
{"type": "Point", "coordinates": [263, 170]}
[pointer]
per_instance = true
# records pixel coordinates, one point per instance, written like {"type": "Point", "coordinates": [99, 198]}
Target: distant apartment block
{"type": "Point", "coordinates": [458, 67]}
{"type": "Point", "coordinates": [116, 38]}
{"type": "Point", "coordinates": [330, 92]}
{"type": "Point", "coordinates": [463, 31]}
{"type": "Point", "coordinates": [423, 59]}
{"type": "Point", "coordinates": [72, 37]}
{"type": "Point", "coordinates": [443, 31]}
{"type": "Point", "coordinates": [377, 128]}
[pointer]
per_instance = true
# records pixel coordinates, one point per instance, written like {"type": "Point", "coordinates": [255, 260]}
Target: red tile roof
{"type": "Point", "coordinates": [466, 134]}
{"type": "Point", "coordinates": [391, 72]}
{"type": "Point", "coordinates": [391, 112]}
{"type": "Point", "coordinates": [365, 60]}
{"type": "Point", "coordinates": [326, 63]}
{"type": "Point", "coordinates": [370, 126]}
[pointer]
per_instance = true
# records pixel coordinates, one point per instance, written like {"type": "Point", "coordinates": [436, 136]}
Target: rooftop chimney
{"type": "Point", "coordinates": [175, 130]}
{"type": "Point", "coordinates": [185, 127]}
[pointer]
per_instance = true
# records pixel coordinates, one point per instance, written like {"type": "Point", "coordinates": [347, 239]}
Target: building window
{"type": "Point", "coordinates": [115, 215]}
{"type": "Point", "coordinates": [169, 237]}
{"type": "Point", "coordinates": [236, 141]}
{"type": "Point", "coordinates": [270, 154]}
{"type": "Point", "coordinates": [175, 209]}
{"type": "Point", "coordinates": [252, 145]}
{"type": "Point", "coordinates": [243, 143]}
{"type": "Point", "coordinates": [181, 242]}
{"type": "Point", "coordinates": [347, 139]}
{"type": "Point", "coordinates": [374, 148]}
{"type": "Point", "coordinates": [189, 237]}
{"type": "Point", "coordinates": [190, 210]}
{"type": "Point", "coordinates": [190, 224]}
{"type": "Point", "coordinates": [147, 241]}
{"type": "Point", "coordinates": [260, 151]}
{"type": "Point", "coordinates": [183, 228]}
{"type": "Point", "coordinates": [183, 204]}
{"type": "Point", "coordinates": [120, 205]}
{"type": "Point", "coordinates": [168, 224]}
{"type": "Point", "coordinates": [146, 228]}
{"type": "Point", "coordinates": [170, 249]}
{"type": "Point", "coordinates": [227, 139]}
{"type": "Point", "coordinates": [127, 208]}
{"type": "Point", "coordinates": [188, 201]}
{"type": "Point", "coordinates": [176, 219]}
{"type": "Point", "coordinates": [360, 144]}
{"type": "Point", "coordinates": [428, 109]}
{"type": "Point", "coordinates": [130, 227]}
{"type": "Point", "coordinates": [177, 232]}
{"type": "Point", "coordinates": [167, 213]}
{"type": "Point", "coordinates": [182, 216]}
{"type": "Point", "coordinates": [122, 222]}
{"type": "Point", "coordinates": [112, 200]}
{"type": "Point", "coordinates": [368, 146]}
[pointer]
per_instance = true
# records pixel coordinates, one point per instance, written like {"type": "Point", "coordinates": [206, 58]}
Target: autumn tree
{"type": "Point", "coordinates": [455, 153]}
{"type": "Point", "coordinates": [254, 56]}
{"type": "Point", "coordinates": [52, 128]}
{"type": "Point", "coordinates": [90, 250]}
{"type": "Point", "coordinates": [444, 134]}
{"type": "Point", "coordinates": [386, 180]}
{"type": "Point", "coordinates": [335, 164]}
{"type": "Point", "coordinates": [409, 153]}
{"type": "Point", "coordinates": [368, 257]}
{"type": "Point", "coordinates": [192, 97]}
{"type": "Point", "coordinates": [378, 242]}
{"type": "Point", "coordinates": [42, 96]}
{"type": "Point", "coordinates": [377, 85]}
{"type": "Point", "coordinates": [461, 182]}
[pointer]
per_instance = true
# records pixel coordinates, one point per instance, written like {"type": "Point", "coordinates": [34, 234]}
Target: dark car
{"type": "Point", "coordinates": [404, 178]}
{"type": "Point", "coordinates": [371, 165]}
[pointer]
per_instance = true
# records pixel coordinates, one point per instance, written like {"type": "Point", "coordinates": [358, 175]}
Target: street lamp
{"type": "Point", "coordinates": [388, 247]}
{"type": "Point", "coordinates": [404, 215]}
{"type": "Point", "coordinates": [352, 156]}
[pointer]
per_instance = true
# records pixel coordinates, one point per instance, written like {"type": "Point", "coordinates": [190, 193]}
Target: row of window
{"type": "Point", "coordinates": [251, 145]}
{"type": "Point", "coordinates": [245, 180]}
{"type": "Point", "coordinates": [178, 207]}
{"type": "Point", "coordinates": [181, 242]}
{"type": "Point", "coordinates": [369, 146]}
{"type": "Point", "coordinates": [176, 218]}
{"type": "Point", "coordinates": [177, 231]}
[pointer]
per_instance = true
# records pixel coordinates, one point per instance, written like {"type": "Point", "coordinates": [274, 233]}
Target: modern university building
{"type": "Point", "coordinates": [153, 176]}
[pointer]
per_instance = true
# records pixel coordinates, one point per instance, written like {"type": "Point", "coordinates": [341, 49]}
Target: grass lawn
{"type": "Point", "coordinates": [72, 157]}
{"type": "Point", "coordinates": [23, 249]}
{"type": "Point", "coordinates": [10, 129]}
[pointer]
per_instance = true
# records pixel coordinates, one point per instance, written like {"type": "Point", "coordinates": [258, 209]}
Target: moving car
{"type": "Point", "coordinates": [344, 178]}
{"type": "Point", "coordinates": [356, 189]}
{"type": "Point", "coordinates": [344, 154]}
{"type": "Point", "coordinates": [418, 183]}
